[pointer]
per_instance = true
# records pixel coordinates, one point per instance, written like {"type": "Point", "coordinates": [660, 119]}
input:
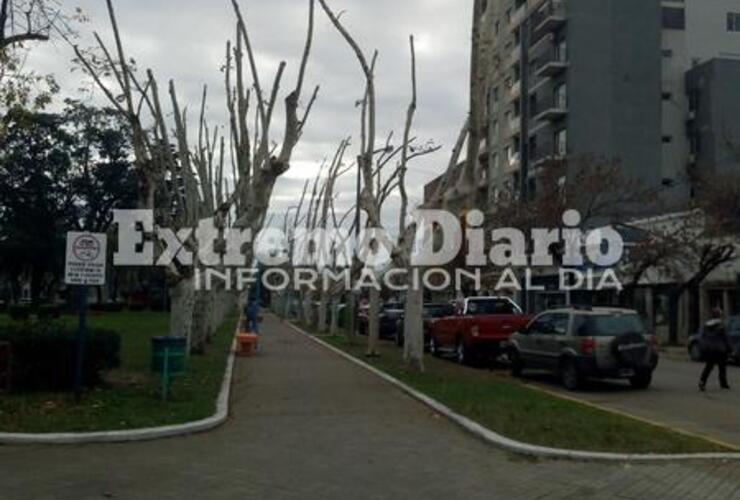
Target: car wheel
{"type": "Point", "coordinates": [461, 353]}
{"type": "Point", "coordinates": [642, 380]}
{"type": "Point", "coordinates": [517, 365]}
{"type": "Point", "coordinates": [570, 376]}
{"type": "Point", "coordinates": [433, 348]}
{"type": "Point", "coordinates": [695, 352]}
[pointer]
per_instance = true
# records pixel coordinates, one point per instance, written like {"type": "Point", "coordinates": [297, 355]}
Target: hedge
{"type": "Point", "coordinates": [111, 307]}
{"type": "Point", "coordinates": [19, 313]}
{"type": "Point", "coordinates": [48, 312]}
{"type": "Point", "coordinates": [44, 355]}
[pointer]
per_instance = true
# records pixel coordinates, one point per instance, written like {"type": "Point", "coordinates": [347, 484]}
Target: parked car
{"type": "Point", "coordinates": [582, 343]}
{"type": "Point", "coordinates": [388, 317]}
{"type": "Point", "coordinates": [479, 329]}
{"type": "Point", "coordinates": [733, 331]}
{"type": "Point", "coordinates": [429, 312]}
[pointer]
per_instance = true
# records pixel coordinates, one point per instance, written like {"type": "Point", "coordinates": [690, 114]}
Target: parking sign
{"type": "Point", "coordinates": [85, 259]}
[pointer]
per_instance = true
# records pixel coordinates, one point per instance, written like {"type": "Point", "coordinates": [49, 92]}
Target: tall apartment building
{"type": "Point", "coordinates": [701, 75]}
{"type": "Point", "coordinates": [601, 77]}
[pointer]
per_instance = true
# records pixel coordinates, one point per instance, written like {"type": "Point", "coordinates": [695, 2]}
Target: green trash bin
{"type": "Point", "coordinates": [175, 348]}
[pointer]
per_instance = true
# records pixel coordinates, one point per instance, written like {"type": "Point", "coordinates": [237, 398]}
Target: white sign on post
{"type": "Point", "coordinates": [86, 258]}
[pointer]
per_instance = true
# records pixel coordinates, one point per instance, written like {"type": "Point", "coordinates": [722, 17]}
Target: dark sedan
{"type": "Point", "coordinates": [390, 312]}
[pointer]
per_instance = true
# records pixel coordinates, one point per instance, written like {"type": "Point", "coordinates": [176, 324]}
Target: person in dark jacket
{"type": "Point", "coordinates": [716, 348]}
{"type": "Point", "coordinates": [252, 313]}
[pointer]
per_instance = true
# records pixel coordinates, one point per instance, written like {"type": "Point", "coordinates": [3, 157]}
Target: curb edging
{"type": "Point", "coordinates": [508, 444]}
{"type": "Point", "coordinates": [145, 434]}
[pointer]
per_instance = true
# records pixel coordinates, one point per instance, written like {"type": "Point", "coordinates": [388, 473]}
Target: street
{"type": "Point", "coordinates": [307, 424]}
{"type": "Point", "coordinates": [673, 399]}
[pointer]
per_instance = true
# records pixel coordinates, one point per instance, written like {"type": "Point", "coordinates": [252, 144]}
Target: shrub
{"type": "Point", "coordinates": [44, 355]}
{"type": "Point", "coordinates": [48, 311]}
{"type": "Point", "coordinates": [112, 307]}
{"type": "Point", "coordinates": [19, 313]}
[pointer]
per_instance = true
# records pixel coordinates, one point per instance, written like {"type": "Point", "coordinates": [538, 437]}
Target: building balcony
{"type": "Point", "coordinates": [514, 126]}
{"type": "Point", "coordinates": [513, 163]}
{"type": "Point", "coordinates": [518, 17]}
{"type": "Point", "coordinates": [548, 18]}
{"type": "Point", "coordinates": [551, 64]}
{"type": "Point", "coordinates": [539, 160]}
{"type": "Point", "coordinates": [550, 112]}
{"type": "Point", "coordinates": [515, 56]}
{"type": "Point", "coordinates": [515, 90]}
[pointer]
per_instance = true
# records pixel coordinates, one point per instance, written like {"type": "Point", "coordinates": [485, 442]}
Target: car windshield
{"type": "Point", "coordinates": [438, 310]}
{"type": "Point", "coordinates": [608, 325]}
{"type": "Point", "coordinates": [492, 306]}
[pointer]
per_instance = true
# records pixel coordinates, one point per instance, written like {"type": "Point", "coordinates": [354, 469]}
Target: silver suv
{"type": "Point", "coordinates": [582, 343]}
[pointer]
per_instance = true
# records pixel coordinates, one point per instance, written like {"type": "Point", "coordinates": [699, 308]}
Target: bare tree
{"type": "Point", "coordinates": [369, 197]}
{"type": "Point", "coordinates": [184, 186]}
{"type": "Point", "coordinates": [687, 247]}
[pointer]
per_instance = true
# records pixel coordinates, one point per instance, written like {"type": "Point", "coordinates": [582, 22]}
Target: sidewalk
{"type": "Point", "coordinates": [307, 424]}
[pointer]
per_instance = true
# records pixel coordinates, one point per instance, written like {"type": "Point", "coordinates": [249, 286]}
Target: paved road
{"type": "Point", "coordinates": [309, 425]}
{"type": "Point", "coordinates": [673, 399]}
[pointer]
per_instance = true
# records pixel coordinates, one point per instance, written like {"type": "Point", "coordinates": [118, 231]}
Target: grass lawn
{"type": "Point", "coordinates": [129, 398]}
{"type": "Point", "coordinates": [518, 412]}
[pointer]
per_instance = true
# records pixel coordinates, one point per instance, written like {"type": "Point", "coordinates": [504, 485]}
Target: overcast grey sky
{"type": "Point", "coordinates": [185, 40]}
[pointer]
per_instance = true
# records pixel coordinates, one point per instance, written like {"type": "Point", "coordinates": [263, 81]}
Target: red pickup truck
{"type": "Point", "coordinates": [479, 329]}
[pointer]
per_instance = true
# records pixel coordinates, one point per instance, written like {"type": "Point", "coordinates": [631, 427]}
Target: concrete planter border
{"type": "Point", "coordinates": [145, 434]}
{"type": "Point", "coordinates": [511, 445]}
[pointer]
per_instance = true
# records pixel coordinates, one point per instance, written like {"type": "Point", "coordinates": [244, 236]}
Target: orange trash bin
{"type": "Point", "coordinates": [246, 344]}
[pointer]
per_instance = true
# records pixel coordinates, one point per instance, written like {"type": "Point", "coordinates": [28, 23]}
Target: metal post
{"type": "Point", "coordinates": [80, 351]}
{"type": "Point", "coordinates": [165, 373]}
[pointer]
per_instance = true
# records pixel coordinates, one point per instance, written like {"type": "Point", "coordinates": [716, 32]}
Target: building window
{"type": "Point", "coordinates": [561, 142]}
{"type": "Point", "coordinates": [561, 96]}
{"type": "Point", "coordinates": [667, 53]}
{"type": "Point", "coordinates": [561, 51]}
{"type": "Point", "coordinates": [733, 22]}
{"type": "Point", "coordinates": [667, 139]}
{"type": "Point", "coordinates": [674, 18]}
{"type": "Point", "coordinates": [667, 96]}
{"type": "Point", "coordinates": [533, 148]}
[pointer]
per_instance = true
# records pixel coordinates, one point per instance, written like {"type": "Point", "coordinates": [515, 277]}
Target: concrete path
{"type": "Point", "coordinates": [673, 399]}
{"type": "Point", "coordinates": [308, 425]}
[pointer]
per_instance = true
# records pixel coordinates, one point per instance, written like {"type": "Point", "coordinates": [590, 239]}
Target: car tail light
{"type": "Point", "coordinates": [475, 331]}
{"type": "Point", "coordinates": [588, 346]}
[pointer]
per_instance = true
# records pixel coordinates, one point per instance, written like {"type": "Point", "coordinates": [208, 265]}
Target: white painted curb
{"type": "Point", "coordinates": [146, 434]}
{"type": "Point", "coordinates": [509, 444]}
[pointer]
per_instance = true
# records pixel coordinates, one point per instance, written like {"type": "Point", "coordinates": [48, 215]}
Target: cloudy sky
{"type": "Point", "coordinates": [184, 40]}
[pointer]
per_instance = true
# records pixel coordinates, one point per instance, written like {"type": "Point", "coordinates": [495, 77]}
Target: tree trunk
{"type": "Point", "coordinates": [413, 329]}
{"type": "Point", "coordinates": [351, 326]}
{"type": "Point", "coordinates": [323, 305]}
{"type": "Point", "coordinates": [373, 330]}
{"type": "Point", "coordinates": [182, 297]}
{"type": "Point", "coordinates": [334, 326]}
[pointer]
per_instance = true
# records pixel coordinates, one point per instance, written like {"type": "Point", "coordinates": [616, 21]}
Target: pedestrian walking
{"type": "Point", "coordinates": [252, 313]}
{"type": "Point", "coordinates": [715, 349]}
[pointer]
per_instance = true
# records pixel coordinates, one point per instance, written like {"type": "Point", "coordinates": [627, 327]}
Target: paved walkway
{"type": "Point", "coordinates": [308, 425]}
